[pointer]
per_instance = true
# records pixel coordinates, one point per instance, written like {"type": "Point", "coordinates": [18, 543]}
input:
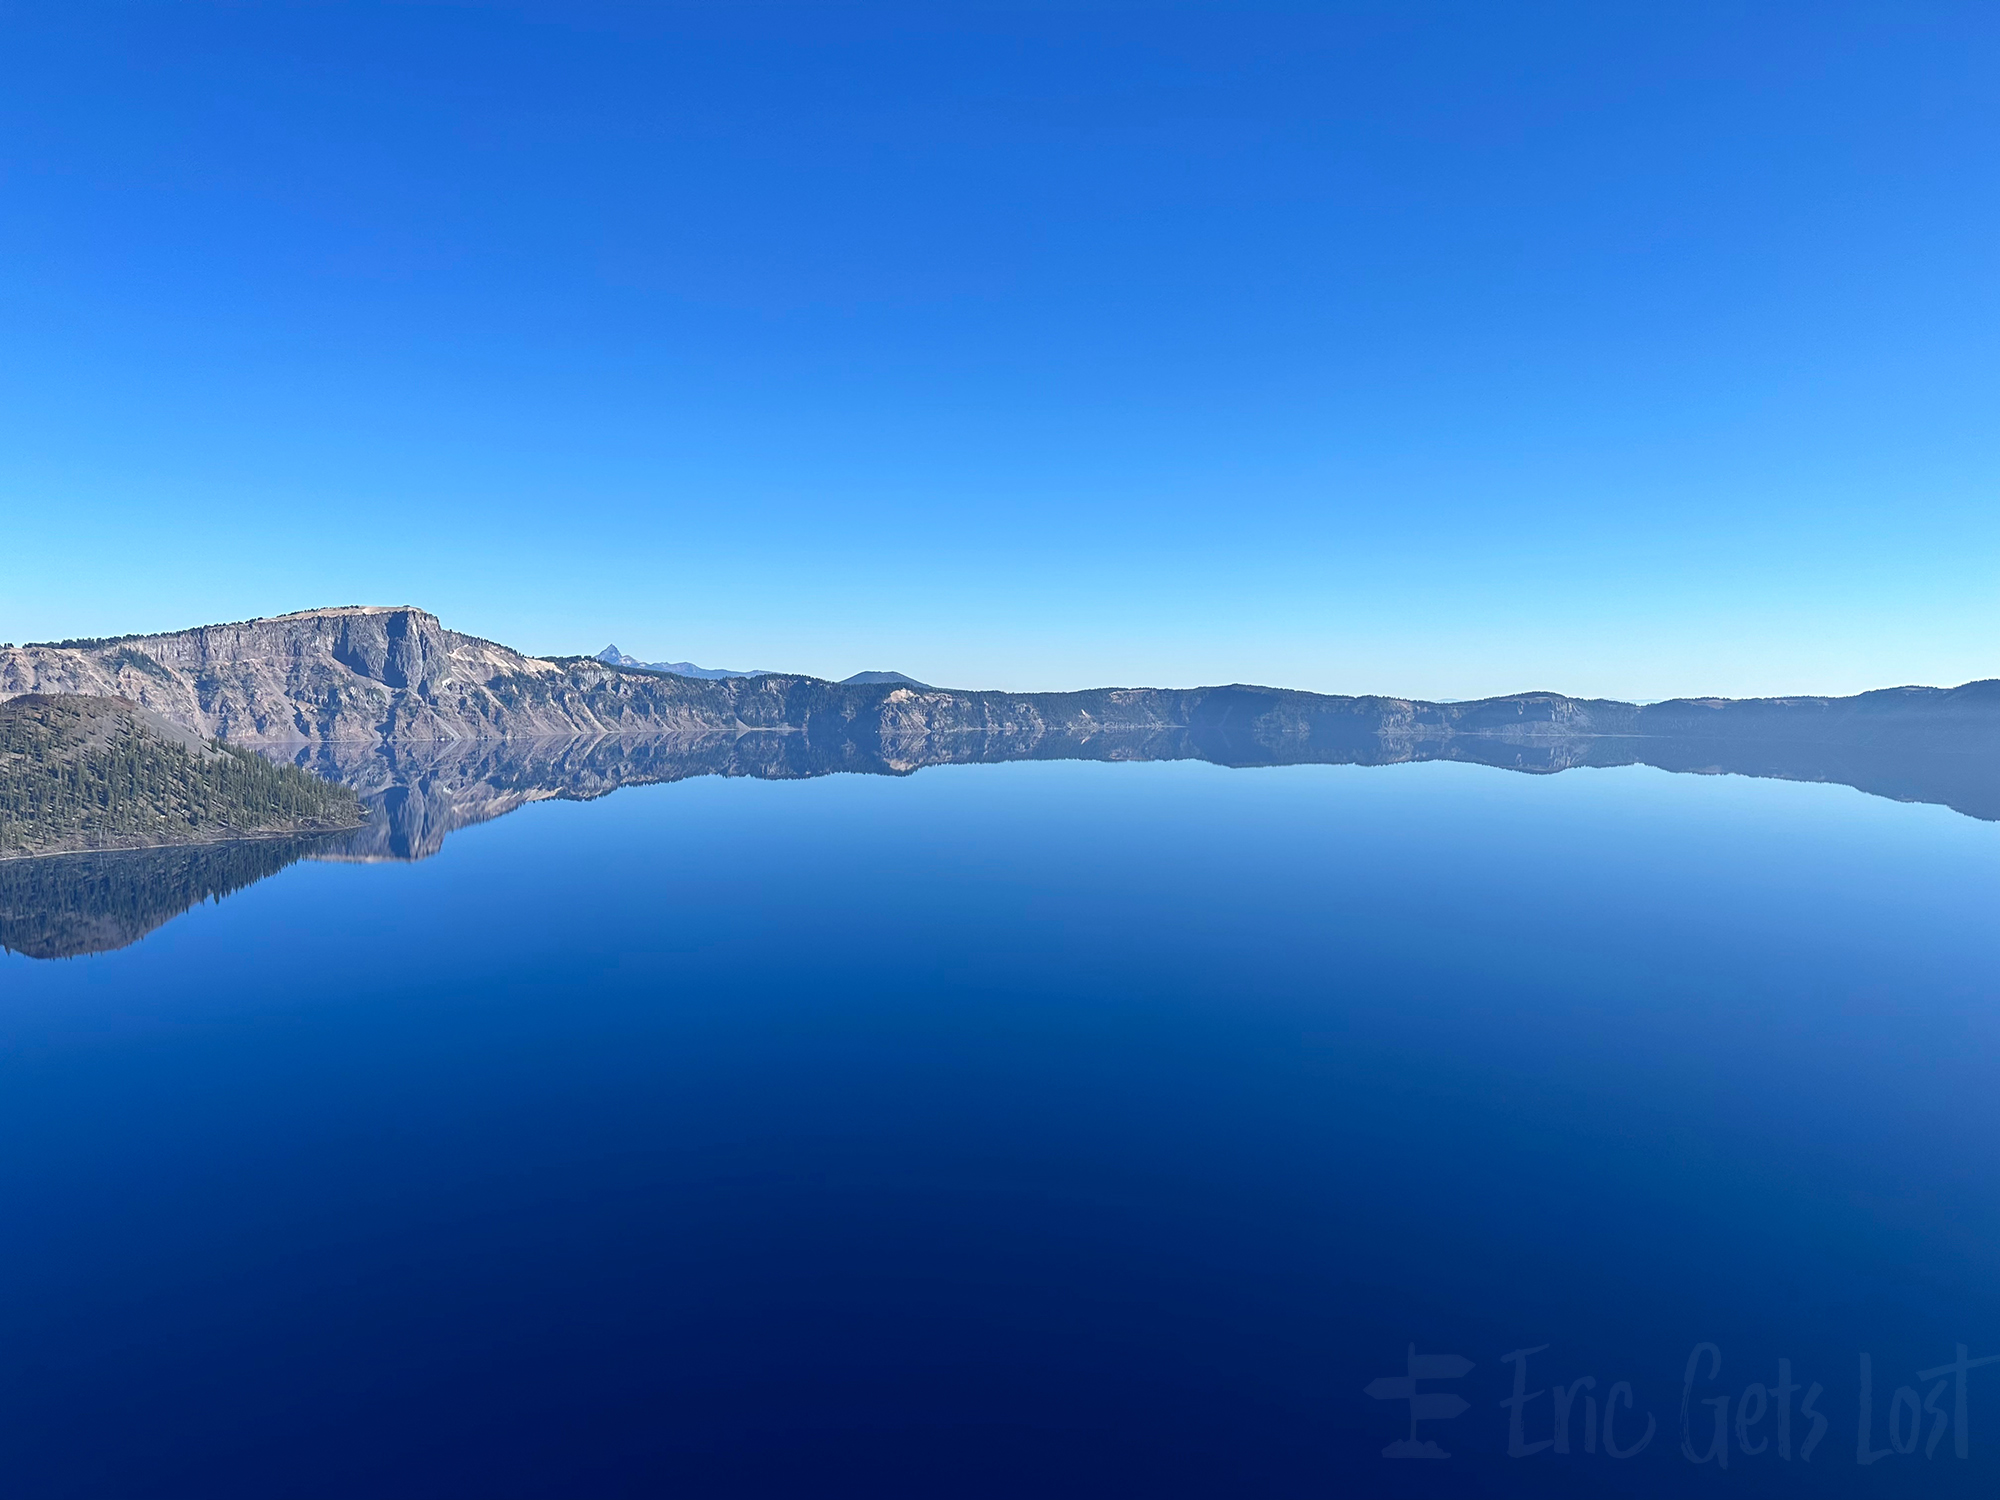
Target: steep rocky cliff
{"type": "Point", "coordinates": [356, 674]}
{"type": "Point", "coordinates": [326, 674]}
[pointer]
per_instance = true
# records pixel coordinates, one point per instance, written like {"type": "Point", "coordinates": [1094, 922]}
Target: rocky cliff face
{"type": "Point", "coordinates": [355, 675]}
{"type": "Point", "coordinates": [323, 674]}
{"type": "Point", "coordinates": [331, 675]}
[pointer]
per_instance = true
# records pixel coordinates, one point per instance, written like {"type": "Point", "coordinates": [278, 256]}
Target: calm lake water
{"type": "Point", "coordinates": [1051, 1129]}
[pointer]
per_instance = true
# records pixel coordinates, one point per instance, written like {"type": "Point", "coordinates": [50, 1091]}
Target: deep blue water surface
{"type": "Point", "coordinates": [1040, 1129]}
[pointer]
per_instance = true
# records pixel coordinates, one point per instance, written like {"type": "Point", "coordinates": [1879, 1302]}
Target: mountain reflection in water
{"type": "Point", "coordinates": [70, 905]}
{"type": "Point", "coordinates": [66, 905]}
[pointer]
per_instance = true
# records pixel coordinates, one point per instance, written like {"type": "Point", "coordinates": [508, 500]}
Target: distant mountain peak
{"type": "Point", "coordinates": [611, 656]}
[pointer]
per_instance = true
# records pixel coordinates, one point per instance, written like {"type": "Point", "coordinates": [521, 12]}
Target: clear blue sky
{"type": "Point", "coordinates": [1447, 350]}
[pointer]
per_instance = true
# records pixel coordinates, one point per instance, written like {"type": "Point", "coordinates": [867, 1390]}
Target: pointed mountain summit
{"type": "Point", "coordinates": [611, 656]}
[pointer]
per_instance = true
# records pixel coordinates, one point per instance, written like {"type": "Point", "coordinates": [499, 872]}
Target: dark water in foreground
{"type": "Point", "coordinates": [1055, 1129]}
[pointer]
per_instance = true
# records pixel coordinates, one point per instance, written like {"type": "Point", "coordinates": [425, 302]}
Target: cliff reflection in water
{"type": "Point", "coordinates": [417, 794]}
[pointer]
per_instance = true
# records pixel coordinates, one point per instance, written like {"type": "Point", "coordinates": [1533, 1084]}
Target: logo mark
{"type": "Point", "coordinates": [1425, 1406]}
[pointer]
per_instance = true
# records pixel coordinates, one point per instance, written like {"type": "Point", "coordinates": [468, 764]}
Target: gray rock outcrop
{"type": "Point", "coordinates": [355, 675]}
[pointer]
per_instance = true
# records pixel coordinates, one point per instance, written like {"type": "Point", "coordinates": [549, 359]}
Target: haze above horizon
{"type": "Point", "coordinates": [1419, 350]}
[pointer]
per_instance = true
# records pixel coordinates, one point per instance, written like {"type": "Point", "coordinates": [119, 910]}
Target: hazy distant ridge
{"type": "Point", "coordinates": [611, 656]}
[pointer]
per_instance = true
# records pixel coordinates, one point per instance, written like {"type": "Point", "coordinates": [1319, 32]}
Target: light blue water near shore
{"type": "Point", "coordinates": [1056, 1128]}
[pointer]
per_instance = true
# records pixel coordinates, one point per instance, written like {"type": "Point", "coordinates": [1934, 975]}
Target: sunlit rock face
{"type": "Point", "coordinates": [395, 676]}
{"type": "Point", "coordinates": [351, 673]}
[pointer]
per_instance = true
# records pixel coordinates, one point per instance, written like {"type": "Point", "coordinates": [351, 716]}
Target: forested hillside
{"type": "Point", "coordinates": [99, 773]}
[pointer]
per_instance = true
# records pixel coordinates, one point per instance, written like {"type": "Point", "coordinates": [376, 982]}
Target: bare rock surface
{"type": "Point", "coordinates": [369, 674]}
